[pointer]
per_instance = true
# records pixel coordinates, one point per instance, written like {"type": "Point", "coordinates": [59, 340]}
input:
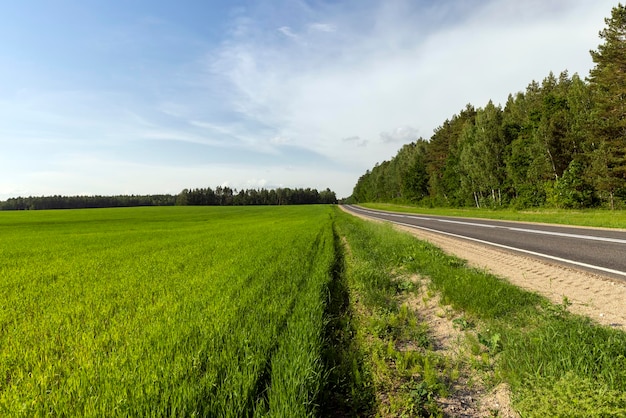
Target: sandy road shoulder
{"type": "Point", "coordinates": [595, 296]}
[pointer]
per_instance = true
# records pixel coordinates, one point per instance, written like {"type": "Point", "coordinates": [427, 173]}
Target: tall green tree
{"type": "Point", "coordinates": [482, 156]}
{"type": "Point", "coordinates": [608, 83]}
{"type": "Point", "coordinates": [414, 176]}
{"type": "Point", "coordinates": [527, 164]}
{"type": "Point", "coordinates": [442, 158]}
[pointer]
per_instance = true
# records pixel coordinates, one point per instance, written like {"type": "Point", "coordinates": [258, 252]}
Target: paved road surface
{"type": "Point", "coordinates": [597, 250]}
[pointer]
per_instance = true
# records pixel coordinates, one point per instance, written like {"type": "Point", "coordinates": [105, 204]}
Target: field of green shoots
{"type": "Point", "coordinates": [179, 311]}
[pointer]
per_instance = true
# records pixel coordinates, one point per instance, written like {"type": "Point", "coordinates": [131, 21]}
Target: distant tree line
{"type": "Point", "coordinates": [221, 196]}
{"type": "Point", "coordinates": [560, 143]}
{"type": "Point", "coordinates": [81, 202]}
{"type": "Point", "coordinates": [225, 196]}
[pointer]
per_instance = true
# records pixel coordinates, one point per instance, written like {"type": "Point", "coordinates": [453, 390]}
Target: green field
{"type": "Point", "coordinates": [271, 311]}
{"type": "Point", "coordinates": [163, 311]}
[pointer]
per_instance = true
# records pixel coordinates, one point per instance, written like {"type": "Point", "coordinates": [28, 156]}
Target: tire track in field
{"type": "Point", "coordinates": [263, 381]}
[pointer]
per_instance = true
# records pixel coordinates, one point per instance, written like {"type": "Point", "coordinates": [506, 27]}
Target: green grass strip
{"type": "Point", "coordinates": [597, 218]}
{"type": "Point", "coordinates": [557, 363]}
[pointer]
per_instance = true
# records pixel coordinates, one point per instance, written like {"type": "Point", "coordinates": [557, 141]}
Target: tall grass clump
{"type": "Point", "coordinates": [564, 365]}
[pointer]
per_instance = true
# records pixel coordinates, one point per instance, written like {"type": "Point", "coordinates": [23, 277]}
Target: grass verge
{"type": "Point", "coordinates": [557, 363]}
{"type": "Point", "coordinates": [597, 218]}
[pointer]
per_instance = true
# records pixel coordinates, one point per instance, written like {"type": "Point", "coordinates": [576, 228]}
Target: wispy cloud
{"type": "Point", "coordinates": [358, 141]}
{"type": "Point", "coordinates": [286, 30]}
{"type": "Point", "coordinates": [402, 134]}
{"type": "Point", "coordinates": [322, 27]}
{"type": "Point", "coordinates": [404, 73]}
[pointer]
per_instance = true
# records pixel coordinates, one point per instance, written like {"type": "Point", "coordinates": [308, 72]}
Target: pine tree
{"type": "Point", "coordinates": [608, 83]}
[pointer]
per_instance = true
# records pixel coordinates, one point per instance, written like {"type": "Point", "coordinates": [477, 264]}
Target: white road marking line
{"type": "Point", "coordinates": [468, 223]}
{"type": "Point", "coordinates": [551, 257]}
{"type": "Point", "coordinates": [566, 235]}
{"type": "Point", "coordinates": [532, 231]}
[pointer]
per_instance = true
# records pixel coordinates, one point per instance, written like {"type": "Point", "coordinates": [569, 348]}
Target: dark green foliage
{"type": "Point", "coordinates": [225, 196]}
{"type": "Point", "coordinates": [221, 196]}
{"type": "Point", "coordinates": [561, 142]}
{"type": "Point", "coordinates": [572, 190]}
{"type": "Point", "coordinates": [608, 84]}
{"type": "Point", "coordinates": [402, 179]}
{"type": "Point", "coordinates": [80, 202]}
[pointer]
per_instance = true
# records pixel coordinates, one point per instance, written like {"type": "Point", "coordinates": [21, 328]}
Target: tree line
{"type": "Point", "coordinates": [221, 196]}
{"type": "Point", "coordinates": [559, 143]}
{"type": "Point", "coordinates": [225, 196]}
{"type": "Point", "coordinates": [82, 202]}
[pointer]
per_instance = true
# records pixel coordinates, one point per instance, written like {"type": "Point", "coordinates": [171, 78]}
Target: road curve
{"type": "Point", "coordinates": [600, 251]}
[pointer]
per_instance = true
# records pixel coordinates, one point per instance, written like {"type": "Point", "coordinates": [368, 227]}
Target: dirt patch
{"type": "Point", "coordinates": [468, 396]}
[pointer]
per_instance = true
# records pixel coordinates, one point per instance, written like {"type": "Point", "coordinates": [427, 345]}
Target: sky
{"type": "Point", "coordinates": [152, 96]}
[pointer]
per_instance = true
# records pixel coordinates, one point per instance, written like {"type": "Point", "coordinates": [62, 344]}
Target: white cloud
{"type": "Point", "coordinates": [404, 73]}
{"type": "Point", "coordinates": [256, 183]}
{"type": "Point", "coordinates": [280, 140]}
{"type": "Point", "coordinates": [360, 142]}
{"type": "Point", "coordinates": [402, 134]}
{"type": "Point", "coordinates": [322, 27]}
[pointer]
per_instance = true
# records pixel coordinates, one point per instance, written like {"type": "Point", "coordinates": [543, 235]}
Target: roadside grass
{"type": "Point", "coordinates": [401, 381]}
{"type": "Point", "coordinates": [557, 363]}
{"type": "Point", "coordinates": [597, 218]}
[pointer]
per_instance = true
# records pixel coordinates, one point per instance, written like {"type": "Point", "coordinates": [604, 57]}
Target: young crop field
{"type": "Point", "coordinates": [181, 311]}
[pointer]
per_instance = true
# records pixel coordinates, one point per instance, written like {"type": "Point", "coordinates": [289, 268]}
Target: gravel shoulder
{"type": "Point", "coordinates": [600, 298]}
{"type": "Point", "coordinates": [597, 297]}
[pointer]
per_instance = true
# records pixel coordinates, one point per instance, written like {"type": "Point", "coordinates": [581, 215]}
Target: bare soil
{"type": "Point", "coordinates": [469, 396]}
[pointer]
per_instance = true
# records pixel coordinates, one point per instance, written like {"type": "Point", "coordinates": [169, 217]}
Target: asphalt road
{"type": "Point", "coordinates": [596, 250]}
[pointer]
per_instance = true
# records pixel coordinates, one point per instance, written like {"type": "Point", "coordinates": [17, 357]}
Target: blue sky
{"type": "Point", "coordinates": [140, 97]}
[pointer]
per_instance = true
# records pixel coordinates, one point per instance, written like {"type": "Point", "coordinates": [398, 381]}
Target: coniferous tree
{"type": "Point", "coordinates": [442, 159]}
{"type": "Point", "coordinates": [608, 84]}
